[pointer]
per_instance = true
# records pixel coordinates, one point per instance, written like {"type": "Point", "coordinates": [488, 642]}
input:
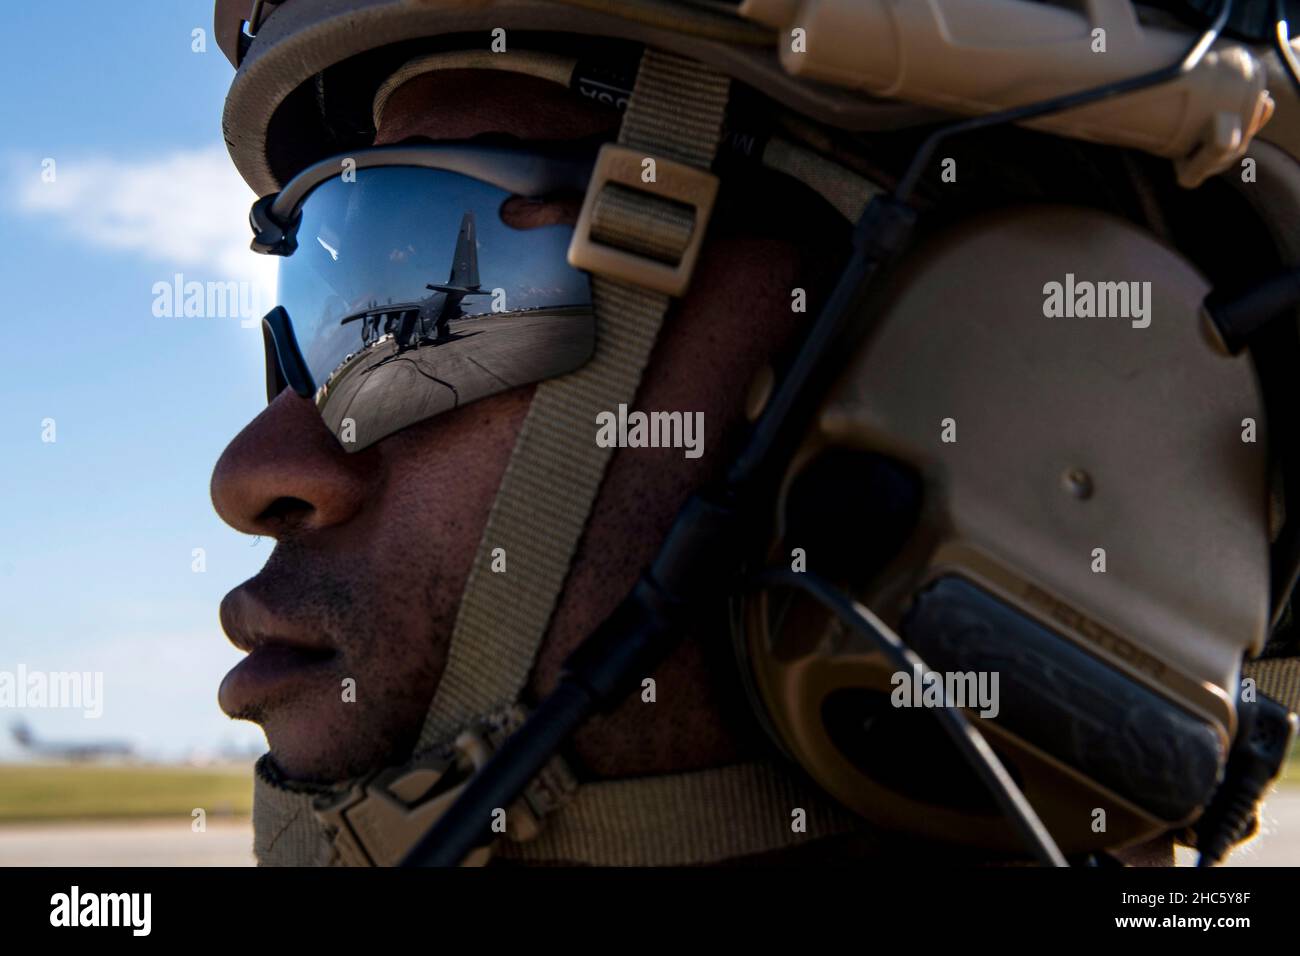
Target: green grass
{"type": "Point", "coordinates": [57, 792]}
{"type": "Point", "coordinates": [29, 793]}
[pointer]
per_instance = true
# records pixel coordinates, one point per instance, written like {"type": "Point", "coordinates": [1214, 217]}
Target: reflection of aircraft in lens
{"type": "Point", "coordinates": [388, 380]}
{"type": "Point", "coordinates": [75, 751]}
{"type": "Point", "coordinates": [423, 320]}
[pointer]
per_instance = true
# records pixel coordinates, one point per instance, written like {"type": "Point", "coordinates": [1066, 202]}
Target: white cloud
{"type": "Point", "coordinates": [187, 210]}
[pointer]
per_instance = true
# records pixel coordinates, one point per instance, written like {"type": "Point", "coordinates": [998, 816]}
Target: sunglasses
{"type": "Point", "coordinates": [402, 291]}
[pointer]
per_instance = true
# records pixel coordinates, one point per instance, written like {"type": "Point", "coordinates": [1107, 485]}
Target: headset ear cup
{"type": "Point", "coordinates": [860, 518]}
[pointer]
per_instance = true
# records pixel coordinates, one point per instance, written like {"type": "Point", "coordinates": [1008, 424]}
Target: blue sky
{"type": "Point", "coordinates": [98, 528]}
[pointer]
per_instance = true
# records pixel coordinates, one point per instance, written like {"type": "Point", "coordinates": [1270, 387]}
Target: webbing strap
{"type": "Point", "coordinates": [676, 109]}
{"type": "Point", "coordinates": [1278, 678]}
{"type": "Point", "coordinates": [701, 817]}
{"type": "Point", "coordinates": [684, 819]}
{"type": "Point", "coordinates": [286, 830]}
{"type": "Point", "coordinates": [556, 468]}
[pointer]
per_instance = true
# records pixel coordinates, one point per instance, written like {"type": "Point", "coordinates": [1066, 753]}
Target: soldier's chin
{"type": "Point", "coordinates": [314, 747]}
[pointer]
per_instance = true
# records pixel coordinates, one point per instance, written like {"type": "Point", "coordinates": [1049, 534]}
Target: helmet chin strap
{"type": "Point", "coordinates": [674, 117]}
{"type": "Point", "coordinates": [545, 498]}
{"type": "Point", "coordinates": [687, 819]}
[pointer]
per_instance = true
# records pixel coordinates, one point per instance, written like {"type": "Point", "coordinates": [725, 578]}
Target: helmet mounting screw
{"type": "Point", "coordinates": [1078, 483]}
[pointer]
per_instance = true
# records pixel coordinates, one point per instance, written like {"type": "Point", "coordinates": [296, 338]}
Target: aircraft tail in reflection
{"type": "Point", "coordinates": [426, 320]}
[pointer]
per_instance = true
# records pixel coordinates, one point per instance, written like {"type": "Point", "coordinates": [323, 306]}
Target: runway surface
{"type": "Point", "coordinates": [127, 843]}
{"type": "Point", "coordinates": [382, 388]}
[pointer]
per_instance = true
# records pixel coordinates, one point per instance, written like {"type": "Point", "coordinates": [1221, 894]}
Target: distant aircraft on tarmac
{"type": "Point", "coordinates": [425, 320]}
{"type": "Point", "coordinates": [74, 751]}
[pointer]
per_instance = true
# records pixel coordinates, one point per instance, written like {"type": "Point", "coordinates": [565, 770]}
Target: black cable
{"type": "Point", "coordinates": [1067, 101]}
{"type": "Point", "coordinates": [969, 741]}
{"type": "Point", "coordinates": [1264, 732]}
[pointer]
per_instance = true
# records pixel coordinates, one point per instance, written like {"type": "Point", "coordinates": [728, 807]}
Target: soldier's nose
{"type": "Point", "coordinates": [285, 473]}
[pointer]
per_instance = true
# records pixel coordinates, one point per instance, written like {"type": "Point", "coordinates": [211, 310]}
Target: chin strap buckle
{"type": "Point", "coordinates": [385, 814]}
{"type": "Point", "coordinates": [647, 232]}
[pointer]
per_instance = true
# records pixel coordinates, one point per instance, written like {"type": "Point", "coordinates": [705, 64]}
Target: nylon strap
{"type": "Point", "coordinates": [1278, 678]}
{"type": "Point", "coordinates": [286, 830]}
{"type": "Point", "coordinates": [686, 819]}
{"type": "Point", "coordinates": [555, 470]}
{"type": "Point", "coordinates": [702, 817]}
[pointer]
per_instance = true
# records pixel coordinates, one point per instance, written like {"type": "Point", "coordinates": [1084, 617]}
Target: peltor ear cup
{"type": "Point", "coordinates": [957, 482]}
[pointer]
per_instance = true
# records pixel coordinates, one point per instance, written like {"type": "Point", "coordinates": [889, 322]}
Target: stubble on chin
{"type": "Point", "coordinates": [392, 646]}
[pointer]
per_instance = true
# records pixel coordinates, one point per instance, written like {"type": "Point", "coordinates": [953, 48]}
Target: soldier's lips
{"type": "Point", "coordinates": [271, 672]}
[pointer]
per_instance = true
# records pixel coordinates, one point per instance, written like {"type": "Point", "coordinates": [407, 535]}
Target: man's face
{"type": "Point", "coordinates": [373, 549]}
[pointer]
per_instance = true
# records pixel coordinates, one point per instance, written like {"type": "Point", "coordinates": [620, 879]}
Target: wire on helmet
{"type": "Point", "coordinates": [1016, 114]}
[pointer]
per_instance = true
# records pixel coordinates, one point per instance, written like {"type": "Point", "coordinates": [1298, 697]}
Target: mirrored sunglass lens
{"type": "Point", "coordinates": [409, 296]}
